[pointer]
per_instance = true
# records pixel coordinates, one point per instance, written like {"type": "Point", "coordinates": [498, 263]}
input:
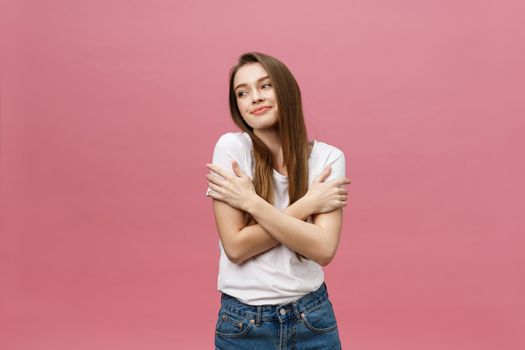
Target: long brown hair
{"type": "Point", "coordinates": [292, 131]}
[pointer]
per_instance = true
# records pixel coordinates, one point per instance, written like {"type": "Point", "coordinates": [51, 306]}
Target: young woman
{"type": "Point", "coordinates": [278, 203]}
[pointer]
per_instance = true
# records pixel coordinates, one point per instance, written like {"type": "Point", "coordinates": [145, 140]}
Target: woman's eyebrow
{"type": "Point", "coordinates": [243, 84]}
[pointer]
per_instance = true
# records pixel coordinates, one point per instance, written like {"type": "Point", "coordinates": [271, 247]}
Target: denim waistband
{"type": "Point", "coordinates": [282, 312]}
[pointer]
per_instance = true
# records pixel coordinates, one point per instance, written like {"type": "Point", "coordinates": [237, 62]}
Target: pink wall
{"type": "Point", "coordinates": [110, 110]}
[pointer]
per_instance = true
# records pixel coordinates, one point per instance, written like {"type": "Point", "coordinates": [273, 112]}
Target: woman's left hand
{"type": "Point", "coordinates": [237, 190]}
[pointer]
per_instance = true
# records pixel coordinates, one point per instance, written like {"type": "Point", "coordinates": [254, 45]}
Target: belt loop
{"type": "Point", "coordinates": [296, 310]}
{"type": "Point", "coordinates": [258, 316]}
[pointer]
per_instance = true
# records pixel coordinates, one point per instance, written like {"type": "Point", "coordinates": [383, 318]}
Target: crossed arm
{"type": "Point", "coordinates": [242, 242]}
{"type": "Point", "coordinates": [235, 195]}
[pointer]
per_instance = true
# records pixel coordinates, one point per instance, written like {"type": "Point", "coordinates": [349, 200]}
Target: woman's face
{"type": "Point", "coordinates": [253, 90]}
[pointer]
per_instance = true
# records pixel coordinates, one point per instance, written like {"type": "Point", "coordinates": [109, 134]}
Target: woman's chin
{"type": "Point", "coordinates": [263, 124]}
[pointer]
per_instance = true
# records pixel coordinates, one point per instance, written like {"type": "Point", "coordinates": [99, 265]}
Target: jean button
{"type": "Point", "coordinates": [283, 311]}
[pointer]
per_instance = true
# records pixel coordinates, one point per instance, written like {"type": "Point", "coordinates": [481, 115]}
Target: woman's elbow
{"type": "Point", "coordinates": [325, 260]}
{"type": "Point", "coordinates": [234, 255]}
{"type": "Point", "coordinates": [326, 256]}
{"type": "Point", "coordinates": [235, 259]}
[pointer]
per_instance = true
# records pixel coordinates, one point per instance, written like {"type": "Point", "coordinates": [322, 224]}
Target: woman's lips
{"type": "Point", "coordinates": [261, 111]}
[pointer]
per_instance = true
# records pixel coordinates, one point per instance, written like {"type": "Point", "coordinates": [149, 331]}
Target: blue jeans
{"type": "Point", "coordinates": [307, 323]}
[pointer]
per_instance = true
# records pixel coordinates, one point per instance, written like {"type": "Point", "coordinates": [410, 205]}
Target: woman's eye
{"type": "Point", "coordinates": [240, 94]}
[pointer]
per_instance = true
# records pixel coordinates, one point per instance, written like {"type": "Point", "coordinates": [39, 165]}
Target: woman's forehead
{"type": "Point", "coordinates": [249, 73]}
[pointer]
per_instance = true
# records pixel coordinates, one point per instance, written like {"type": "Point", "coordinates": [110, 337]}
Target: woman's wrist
{"type": "Point", "coordinates": [309, 204]}
{"type": "Point", "coordinates": [303, 208]}
{"type": "Point", "coordinates": [251, 203]}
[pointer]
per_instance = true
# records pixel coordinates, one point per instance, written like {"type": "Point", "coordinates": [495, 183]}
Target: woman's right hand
{"type": "Point", "coordinates": [327, 196]}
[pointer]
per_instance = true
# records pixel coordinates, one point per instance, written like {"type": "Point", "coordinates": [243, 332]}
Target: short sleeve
{"type": "Point", "coordinates": [338, 163]}
{"type": "Point", "coordinates": [227, 149]}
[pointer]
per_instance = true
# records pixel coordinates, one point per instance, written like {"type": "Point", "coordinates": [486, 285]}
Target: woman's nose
{"type": "Point", "coordinates": [257, 96]}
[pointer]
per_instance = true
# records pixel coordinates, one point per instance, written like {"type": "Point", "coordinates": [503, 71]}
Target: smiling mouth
{"type": "Point", "coordinates": [261, 111]}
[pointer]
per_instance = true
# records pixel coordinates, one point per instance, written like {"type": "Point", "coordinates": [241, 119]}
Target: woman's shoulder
{"type": "Point", "coordinates": [325, 150]}
{"type": "Point", "coordinates": [234, 141]}
{"type": "Point", "coordinates": [328, 154]}
{"type": "Point", "coordinates": [234, 137]}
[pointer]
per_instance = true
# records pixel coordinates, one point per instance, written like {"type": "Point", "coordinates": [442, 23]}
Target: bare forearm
{"type": "Point", "coordinates": [300, 236]}
{"type": "Point", "coordinates": [253, 239]}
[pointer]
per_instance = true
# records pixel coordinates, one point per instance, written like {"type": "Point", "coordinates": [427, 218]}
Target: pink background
{"type": "Point", "coordinates": [110, 110]}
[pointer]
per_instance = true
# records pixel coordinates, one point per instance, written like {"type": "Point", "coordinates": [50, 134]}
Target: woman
{"type": "Point", "coordinates": [278, 204]}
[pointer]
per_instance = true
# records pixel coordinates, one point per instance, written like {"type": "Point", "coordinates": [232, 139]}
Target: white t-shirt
{"type": "Point", "coordinates": [275, 276]}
